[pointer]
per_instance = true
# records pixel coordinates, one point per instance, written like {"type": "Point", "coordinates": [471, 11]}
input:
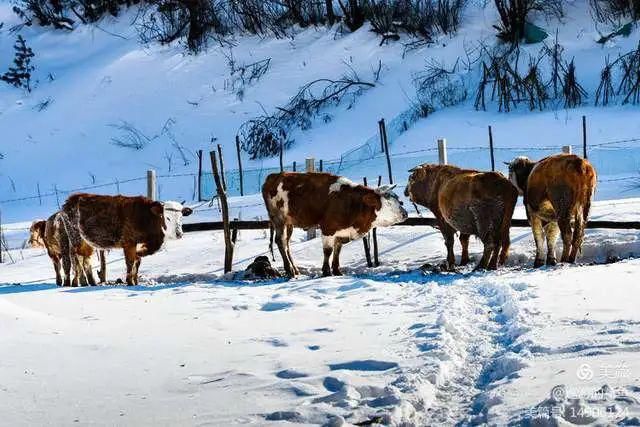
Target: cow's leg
{"type": "Point", "coordinates": [552, 231]}
{"type": "Point", "coordinates": [538, 236]}
{"type": "Point", "coordinates": [488, 259]}
{"type": "Point", "coordinates": [294, 267]}
{"type": "Point", "coordinates": [566, 232]}
{"type": "Point", "coordinates": [75, 243]}
{"type": "Point", "coordinates": [464, 242]}
{"type": "Point", "coordinates": [55, 259]}
{"type": "Point", "coordinates": [66, 267]}
{"type": "Point", "coordinates": [78, 272]}
{"type": "Point", "coordinates": [578, 236]}
{"type": "Point", "coordinates": [102, 273]}
{"type": "Point", "coordinates": [327, 250]}
{"type": "Point", "coordinates": [130, 258]}
{"type": "Point", "coordinates": [335, 262]}
{"type": "Point", "coordinates": [281, 241]}
{"type": "Point", "coordinates": [88, 270]}
{"type": "Point", "coordinates": [449, 236]}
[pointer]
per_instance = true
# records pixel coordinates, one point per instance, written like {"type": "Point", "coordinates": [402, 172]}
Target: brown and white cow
{"type": "Point", "coordinates": [52, 235]}
{"type": "Point", "coordinates": [557, 194]}
{"type": "Point", "coordinates": [468, 201]}
{"type": "Point", "coordinates": [138, 225]}
{"type": "Point", "coordinates": [343, 210]}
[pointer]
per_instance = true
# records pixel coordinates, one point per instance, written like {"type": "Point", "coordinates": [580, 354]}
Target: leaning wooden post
{"type": "Point", "coordinates": [442, 151]}
{"type": "Point", "coordinates": [151, 185]}
{"type": "Point", "coordinates": [199, 176]}
{"type": "Point", "coordinates": [365, 239]}
{"type": "Point", "coordinates": [493, 159]}
{"type": "Point", "coordinates": [374, 233]}
{"type": "Point", "coordinates": [566, 149]}
{"type": "Point", "coordinates": [222, 196]}
{"type": "Point", "coordinates": [584, 137]}
{"type": "Point", "coordinates": [239, 165]}
{"type": "Point", "coordinates": [310, 166]}
{"type": "Point", "coordinates": [224, 180]}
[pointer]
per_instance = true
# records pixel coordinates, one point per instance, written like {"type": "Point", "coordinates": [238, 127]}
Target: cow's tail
{"type": "Point", "coordinates": [271, 239]}
{"type": "Point", "coordinates": [505, 239]}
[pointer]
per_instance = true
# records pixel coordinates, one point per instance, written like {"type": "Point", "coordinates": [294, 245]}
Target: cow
{"type": "Point", "coordinates": [557, 192]}
{"type": "Point", "coordinates": [343, 210]}
{"type": "Point", "coordinates": [52, 235]}
{"type": "Point", "coordinates": [138, 225]}
{"type": "Point", "coordinates": [471, 202]}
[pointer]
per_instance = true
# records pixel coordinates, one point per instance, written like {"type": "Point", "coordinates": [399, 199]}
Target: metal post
{"type": "Point", "coordinates": [442, 151]}
{"type": "Point", "coordinates": [199, 175]}
{"type": "Point", "coordinates": [239, 165]}
{"type": "Point", "coordinates": [310, 166]}
{"type": "Point", "coordinates": [493, 159]}
{"type": "Point", "coordinates": [151, 185]}
{"type": "Point", "coordinates": [382, 131]}
{"type": "Point", "coordinates": [584, 137]}
{"type": "Point", "coordinates": [566, 149]}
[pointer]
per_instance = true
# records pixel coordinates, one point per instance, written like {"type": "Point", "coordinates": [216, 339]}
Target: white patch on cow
{"type": "Point", "coordinates": [173, 220]}
{"type": "Point", "coordinates": [347, 233]}
{"type": "Point", "coordinates": [391, 212]}
{"type": "Point", "coordinates": [283, 196]}
{"type": "Point", "coordinates": [335, 187]}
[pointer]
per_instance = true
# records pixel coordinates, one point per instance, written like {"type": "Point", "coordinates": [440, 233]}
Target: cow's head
{"type": "Point", "coordinates": [519, 170]}
{"type": "Point", "coordinates": [36, 234]}
{"type": "Point", "coordinates": [171, 213]}
{"type": "Point", "coordinates": [421, 185]}
{"type": "Point", "coordinates": [391, 210]}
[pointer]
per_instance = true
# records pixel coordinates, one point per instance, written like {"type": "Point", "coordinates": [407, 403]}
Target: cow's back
{"type": "Point", "coordinates": [114, 221]}
{"type": "Point", "coordinates": [567, 177]}
{"type": "Point", "coordinates": [299, 199]}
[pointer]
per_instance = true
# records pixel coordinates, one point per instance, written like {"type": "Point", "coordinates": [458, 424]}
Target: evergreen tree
{"type": "Point", "coordinates": [19, 75]}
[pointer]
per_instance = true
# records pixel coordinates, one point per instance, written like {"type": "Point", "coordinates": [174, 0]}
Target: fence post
{"type": "Point", "coordinates": [199, 175]}
{"type": "Point", "coordinates": [240, 165]}
{"type": "Point", "coordinates": [584, 137]}
{"type": "Point", "coordinates": [374, 234]}
{"type": "Point", "coordinates": [442, 151]}
{"type": "Point", "coordinates": [281, 164]}
{"type": "Point", "coordinates": [224, 180]}
{"type": "Point", "coordinates": [365, 239]}
{"type": "Point", "coordinates": [382, 130]}
{"type": "Point", "coordinates": [321, 165]}
{"type": "Point", "coordinates": [386, 152]}
{"type": "Point", "coordinates": [1, 238]}
{"type": "Point", "coordinates": [493, 159]}
{"type": "Point", "coordinates": [310, 166]}
{"type": "Point", "coordinates": [294, 166]}
{"type": "Point", "coordinates": [151, 185]}
{"type": "Point", "coordinates": [39, 194]}
{"type": "Point", "coordinates": [222, 196]}
{"type": "Point", "coordinates": [566, 149]}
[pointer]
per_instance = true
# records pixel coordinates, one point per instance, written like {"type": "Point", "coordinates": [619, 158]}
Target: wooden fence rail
{"type": "Point", "coordinates": [409, 222]}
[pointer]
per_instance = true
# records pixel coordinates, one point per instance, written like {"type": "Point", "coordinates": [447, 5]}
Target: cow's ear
{"type": "Point", "coordinates": [186, 211]}
{"type": "Point", "coordinates": [372, 200]}
{"type": "Point", "coordinates": [157, 209]}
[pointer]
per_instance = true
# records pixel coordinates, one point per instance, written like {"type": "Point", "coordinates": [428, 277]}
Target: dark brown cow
{"type": "Point", "coordinates": [138, 225]}
{"type": "Point", "coordinates": [468, 201]}
{"type": "Point", "coordinates": [343, 210]}
{"type": "Point", "coordinates": [52, 235]}
{"type": "Point", "coordinates": [557, 194]}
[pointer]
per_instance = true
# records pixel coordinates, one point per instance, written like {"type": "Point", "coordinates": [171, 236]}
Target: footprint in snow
{"type": "Point", "coordinates": [364, 365]}
{"type": "Point", "coordinates": [276, 306]}
{"type": "Point", "coordinates": [290, 374]}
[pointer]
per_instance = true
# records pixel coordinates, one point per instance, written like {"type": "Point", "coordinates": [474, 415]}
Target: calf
{"type": "Point", "coordinates": [138, 225]}
{"type": "Point", "coordinates": [468, 201]}
{"type": "Point", "coordinates": [52, 235]}
{"type": "Point", "coordinates": [343, 210]}
{"type": "Point", "coordinates": [557, 193]}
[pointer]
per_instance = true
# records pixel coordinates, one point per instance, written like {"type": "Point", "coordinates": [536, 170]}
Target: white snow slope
{"type": "Point", "coordinates": [387, 346]}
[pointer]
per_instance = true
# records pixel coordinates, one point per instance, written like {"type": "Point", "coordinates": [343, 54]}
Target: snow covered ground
{"type": "Point", "coordinates": [389, 345]}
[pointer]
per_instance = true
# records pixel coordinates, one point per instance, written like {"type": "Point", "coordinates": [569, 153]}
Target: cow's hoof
{"type": "Point", "coordinates": [552, 262]}
{"type": "Point", "coordinates": [326, 273]}
{"type": "Point", "coordinates": [538, 263]}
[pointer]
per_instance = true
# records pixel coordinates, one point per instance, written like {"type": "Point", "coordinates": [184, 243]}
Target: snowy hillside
{"type": "Point", "coordinates": [98, 85]}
